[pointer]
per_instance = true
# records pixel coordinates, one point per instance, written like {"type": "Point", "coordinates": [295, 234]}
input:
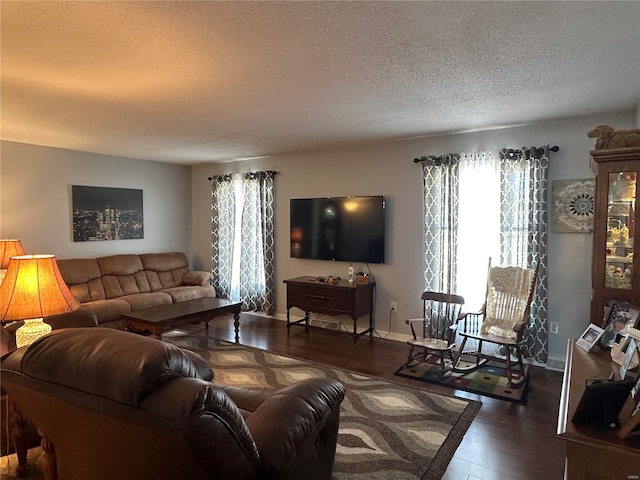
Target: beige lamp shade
{"type": "Point", "coordinates": [33, 288]}
{"type": "Point", "coordinates": [9, 248]}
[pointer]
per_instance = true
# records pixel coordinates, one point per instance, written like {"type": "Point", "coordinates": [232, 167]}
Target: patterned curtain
{"type": "Point", "coordinates": [243, 238]}
{"type": "Point", "coordinates": [483, 205]}
{"type": "Point", "coordinates": [440, 222]}
{"type": "Point", "coordinates": [523, 230]}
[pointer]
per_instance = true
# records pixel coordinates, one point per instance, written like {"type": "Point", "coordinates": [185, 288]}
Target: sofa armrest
{"type": "Point", "coordinates": [78, 318]}
{"type": "Point", "coordinates": [295, 416]}
{"type": "Point", "coordinates": [197, 278]}
{"type": "Point", "coordinates": [202, 367]}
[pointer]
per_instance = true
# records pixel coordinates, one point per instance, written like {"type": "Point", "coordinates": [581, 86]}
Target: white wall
{"type": "Point", "coordinates": [36, 200]}
{"type": "Point", "coordinates": [388, 169]}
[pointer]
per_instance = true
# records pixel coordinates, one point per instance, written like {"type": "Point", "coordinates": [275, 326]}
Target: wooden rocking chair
{"type": "Point", "coordinates": [440, 315]}
{"type": "Point", "coordinates": [502, 321]}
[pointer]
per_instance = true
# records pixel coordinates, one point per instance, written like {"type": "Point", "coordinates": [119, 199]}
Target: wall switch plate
{"type": "Point", "coordinates": [393, 306]}
{"type": "Point", "coordinates": [553, 328]}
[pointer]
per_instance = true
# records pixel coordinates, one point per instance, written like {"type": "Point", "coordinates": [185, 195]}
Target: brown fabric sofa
{"type": "Point", "coordinates": [116, 284]}
{"type": "Point", "coordinates": [120, 405]}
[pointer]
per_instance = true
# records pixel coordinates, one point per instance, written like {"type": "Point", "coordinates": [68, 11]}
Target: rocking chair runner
{"type": "Point", "coordinates": [505, 317]}
{"type": "Point", "coordinates": [440, 315]}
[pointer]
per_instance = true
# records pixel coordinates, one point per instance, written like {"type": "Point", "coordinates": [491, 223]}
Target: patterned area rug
{"type": "Point", "coordinates": [387, 430]}
{"type": "Point", "coordinates": [489, 380]}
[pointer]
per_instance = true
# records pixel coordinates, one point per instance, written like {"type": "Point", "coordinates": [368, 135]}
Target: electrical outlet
{"type": "Point", "coordinates": [393, 306]}
{"type": "Point", "coordinates": [553, 328]}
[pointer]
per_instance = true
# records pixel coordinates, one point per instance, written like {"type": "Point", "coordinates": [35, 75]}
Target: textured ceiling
{"type": "Point", "coordinates": [190, 82]}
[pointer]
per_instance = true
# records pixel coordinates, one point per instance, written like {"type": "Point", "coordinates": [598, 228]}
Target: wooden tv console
{"type": "Point", "coordinates": [592, 453]}
{"type": "Point", "coordinates": [311, 294]}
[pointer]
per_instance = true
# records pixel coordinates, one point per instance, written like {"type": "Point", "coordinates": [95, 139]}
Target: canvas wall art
{"type": "Point", "coordinates": [102, 213]}
{"type": "Point", "coordinates": [573, 205]}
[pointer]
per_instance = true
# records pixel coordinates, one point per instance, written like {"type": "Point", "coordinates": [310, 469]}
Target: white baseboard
{"type": "Point", "coordinates": [325, 321]}
{"type": "Point", "coordinates": [555, 364]}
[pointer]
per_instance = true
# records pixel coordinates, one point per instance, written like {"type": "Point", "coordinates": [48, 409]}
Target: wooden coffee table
{"type": "Point", "coordinates": [165, 317]}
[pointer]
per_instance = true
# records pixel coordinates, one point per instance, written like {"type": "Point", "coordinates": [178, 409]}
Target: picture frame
{"type": "Point", "coordinates": [601, 404]}
{"type": "Point", "coordinates": [630, 351]}
{"type": "Point", "coordinates": [105, 213]}
{"type": "Point", "coordinates": [590, 337]}
{"type": "Point", "coordinates": [620, 315]}
{"type": "Point", "coordinates": [630, 413]}
{"type": "Point", "coordinates": [573, 205]}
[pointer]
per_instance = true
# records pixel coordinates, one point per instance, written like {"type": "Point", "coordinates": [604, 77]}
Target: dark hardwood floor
{"type": "Point", "coordinates": [505, 441]}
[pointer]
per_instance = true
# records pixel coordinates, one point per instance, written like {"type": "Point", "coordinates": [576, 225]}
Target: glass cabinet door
{"type": "Point", "coordinates": [615, 265]}
{"type": "Point", "coordinates": [621, 198]}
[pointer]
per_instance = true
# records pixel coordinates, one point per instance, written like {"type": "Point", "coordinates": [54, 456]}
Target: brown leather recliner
{"type": "Point", "coordinates": [27, 434]}
{"type": "Point", "coordinates": [118, 405]}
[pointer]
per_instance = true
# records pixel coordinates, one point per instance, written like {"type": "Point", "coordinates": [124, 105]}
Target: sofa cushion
{"type": "Point", "coordinates": [75, 358]}
{"type": "Point", "coordinates": [80, 292]}
{"type": "Point", "coordinates": [191, 292]}
{"type": "Point", "coordinates": [112, 287]}
{"type": "Point", "coordinates": [161, 280]}
{"type": "Point", "coordinates": [140, 301]}
{"type": "Point", "coordinates": [79, 270]}
{"type": "Point", "coordinates": [164, 262]}
{"type": "Point", "coordinates": [127, 264]}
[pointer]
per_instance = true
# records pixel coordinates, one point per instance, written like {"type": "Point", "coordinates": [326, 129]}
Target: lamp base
{"type": "Point", "coordinates": [31, 331]}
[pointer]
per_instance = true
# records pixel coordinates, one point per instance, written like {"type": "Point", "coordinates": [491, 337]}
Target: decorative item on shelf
{"type": "Point", "coordinates": [34, 288]}
{"type": "Point", "coordinates": [8, 248]}
{"type": "Point", "coordinates": [616, 276]}
{"type": "Point", "coordinates": [332, 280]}
{"type": "Point", "coordinates": [623, 187]}
{"type": "Point", "coordinates": [618, 210]}
{"type": "Point", "coordinates": [619, 349]}
{"type": "Point", "coordinates": [608, 137]}
{"type": "Point", "coordinates": [621, 317]}
{"type": "Point", "coordinates": [590, 337]}
{"type": "Point", "coordinates": [630, 355]}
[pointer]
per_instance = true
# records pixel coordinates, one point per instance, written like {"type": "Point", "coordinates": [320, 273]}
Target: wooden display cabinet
{"type": "Point", "coordinates": [616, 273]}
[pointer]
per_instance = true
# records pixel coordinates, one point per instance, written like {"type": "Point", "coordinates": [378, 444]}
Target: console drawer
{"type": "Point", "coordinates": [320, 299]}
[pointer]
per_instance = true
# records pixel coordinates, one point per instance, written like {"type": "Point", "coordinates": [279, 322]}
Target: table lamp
{"type": "Point", "coordinates": [33, 288]}
{"type": "Point", "coordinates": [8, 248]}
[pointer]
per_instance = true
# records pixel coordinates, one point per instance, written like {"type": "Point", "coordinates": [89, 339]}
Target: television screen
{"type": "Point", "coordinates": [350, 229]}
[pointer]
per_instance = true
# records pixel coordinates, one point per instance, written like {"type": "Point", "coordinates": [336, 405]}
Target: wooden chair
{"type": "Point", "coordinates": [502, 321]}
{"type": "Point", "coordinates": [440, 315]}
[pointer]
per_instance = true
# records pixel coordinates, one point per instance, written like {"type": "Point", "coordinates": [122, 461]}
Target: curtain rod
{"type": "Point", "coordinates": [535, 151]}
{"type": "Point", "coordinates": [247, 174]}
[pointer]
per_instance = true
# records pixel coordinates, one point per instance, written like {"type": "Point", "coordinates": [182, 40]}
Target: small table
{"type": "Point", "coordinates": [160, 319]}
{"type": "Point", "coordinates": [310, 294]}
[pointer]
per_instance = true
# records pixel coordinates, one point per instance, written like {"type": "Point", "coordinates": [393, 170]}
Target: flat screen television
{"type": "Point", "coordinates": [350, 229]}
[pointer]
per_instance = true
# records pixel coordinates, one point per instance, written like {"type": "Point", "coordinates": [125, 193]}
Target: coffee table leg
{"type": "Point", "coordinates": [236, 325]}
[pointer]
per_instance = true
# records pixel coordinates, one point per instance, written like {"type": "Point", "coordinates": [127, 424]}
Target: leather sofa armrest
{"type": "Point", "coordinates": [197, 277]}
{"type": "Point", "coordinates": [203, 369]}
{"type": "Point", "coordinates": [295, 416]}
{"type": "Point", "coordinates": [77, 318]}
